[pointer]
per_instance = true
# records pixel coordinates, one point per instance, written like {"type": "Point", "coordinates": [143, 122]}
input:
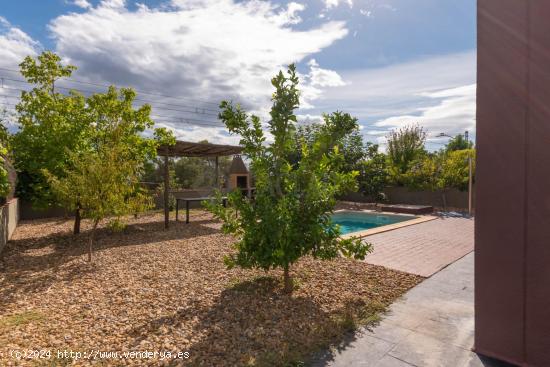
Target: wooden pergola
{"type": "Point", "coordinates": [188, 149]}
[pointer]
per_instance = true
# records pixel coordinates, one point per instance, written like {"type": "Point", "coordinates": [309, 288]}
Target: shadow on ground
{"type": "Point", "coordinates": [30, 264]}
{"type": "Point", "coordinates": [303, 325]}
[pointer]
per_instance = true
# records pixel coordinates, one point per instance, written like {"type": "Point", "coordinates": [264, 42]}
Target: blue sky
{"type": "Point", "coordinates": [388, 62]}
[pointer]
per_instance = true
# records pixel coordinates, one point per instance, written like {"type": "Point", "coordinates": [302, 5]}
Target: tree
{"type": "Point", "coordinates": [290, 216]}
{"type": "Point", "coordinates": [440, 171]}
{"type": "Point", "coordinates": [103, 180]}
{"type": "Point", "coordinates": [455, 170]}
{"type": "Point", "coordinates": [373, 172]}
{"type": "Point", "coordinates": [405, 146]}
{"type": "Point", "coordinates": [459, 142]}
{"type": "Point", "coordinates": [103, 183]}
{"type": "Point", "coordinates": [4, 177]}
{"type": "Point", "coordinates": [51, 126]}
{"type": "Point", "coordinates": [424, 173]}
{"type": "Point", "coordinates": [351, 145]}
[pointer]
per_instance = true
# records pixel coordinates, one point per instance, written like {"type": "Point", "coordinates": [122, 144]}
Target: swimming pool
{"type": "Point", "coordinates": [351, 221]}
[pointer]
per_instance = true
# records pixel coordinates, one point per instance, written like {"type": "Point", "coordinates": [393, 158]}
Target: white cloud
{"type": "Point", "coordinates": [334, 3]}
{"type": "Point", "coordinates": [437, 92]}
{"type": "Point", "coordinates": [14, 45]}
{"type": "Point", "coordinates": [367, 13]}
{"type": "Point", "coordinates": [199, 49]}
{"type": "Point", "coordinates": [316, 81]}
{"type": "Point", "coordinates": [452, 112]}
{"type": "Point", "coordinates": [84, 4]}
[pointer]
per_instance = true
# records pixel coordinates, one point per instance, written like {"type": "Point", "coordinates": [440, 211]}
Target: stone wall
{"type": "Point", "coordinates": [9, 217]}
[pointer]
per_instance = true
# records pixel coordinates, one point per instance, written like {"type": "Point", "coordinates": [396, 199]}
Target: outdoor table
{"type": "Point", "coordinates": [188, 200]}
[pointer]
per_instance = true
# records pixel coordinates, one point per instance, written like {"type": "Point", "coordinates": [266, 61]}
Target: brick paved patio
{"type": "Point", "coordinates": [432, 325]}
{"type": "Point", "coordinates": [424, 248]}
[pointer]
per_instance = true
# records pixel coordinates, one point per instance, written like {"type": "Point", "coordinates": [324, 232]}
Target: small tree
{"type": "Point", "coordinates": [351, 145]}
{"type": "Point", "coordinates": [104, 180]}
{"type": "Point", "coordinates": [455, 170]}
{"type": "Point", "coordinates": [440, 171]}
{"type": "Point", "coordinates": [373, 175]}
{"type": "Point", "coordinates": [291, 214]}
{"type": "Point", "coordinates": [405, 146]}
{"type": "Point", "coordinates": [51, 125]}
{"type": "Point", "coordinates": [104, 184]}
{"type": "Point", "coordinates": [459, 142]}
{"type": "Point", "coordinates": [4, 136]}
{"type": "Point", "coordinates": [424, 173]}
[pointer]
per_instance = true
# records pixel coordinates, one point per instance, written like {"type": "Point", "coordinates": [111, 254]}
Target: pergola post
{"type": "Point", "coordinates": [166, 193]}
{"type": "Point", "coordinates": [187, 149]}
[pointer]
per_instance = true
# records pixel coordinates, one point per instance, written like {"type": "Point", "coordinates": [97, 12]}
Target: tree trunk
{"type": "Point", "coordinates": [287, 279]}
{"type": "Point", "coordinates": [444, 197]}
{"type": "Point", "coordinates": [77, 218]}
{"type": "Point", "coordinates": [91, 242]}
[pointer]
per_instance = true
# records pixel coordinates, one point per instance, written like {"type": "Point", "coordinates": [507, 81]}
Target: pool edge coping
{"type": "Point", "coordinates": [388, 227]}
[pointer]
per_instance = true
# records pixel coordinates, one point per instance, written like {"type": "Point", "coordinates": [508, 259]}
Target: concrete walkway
{"type": "Point", "coordinates": [431, 325]}
{"type": "Point", "coordinates": [424, 248]}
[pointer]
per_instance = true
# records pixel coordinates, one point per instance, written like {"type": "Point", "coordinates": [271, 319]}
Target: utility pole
{"type": "Point", "coordinates": [470, 184]}
{"type": "Point", "coordinates": [166, 192]}
{"type": "Point", "coordinates": [470, 178]}
{"type": "Point", "coordinates": [470, 173]}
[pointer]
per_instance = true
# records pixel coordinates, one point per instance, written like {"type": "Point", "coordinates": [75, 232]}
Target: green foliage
{"type": "Point", "coordinates": [51, 126]}
{"type": "Point", "coordinates": [424, 173]}
{"type": "Point", "coordinates": [351, 146]}
{"type": "Point", "coordinates": [98, 173]}
{"type": "Point", "coordinates": [59, 134]}
{"type": "Point", "coordinates": [100, 181]}
{"type": "Point", "coordinates": [405, 146]}
{"type": "Point", "coordinates": [4, 179]}
{"type": "Point", "coordinates": [192, 172]}
{"type": "Point", "coordinates": [455, 170]}
{"type": "Point", "coordinates": [459, 142]}
{"type": "Point", "coordinates": [290, 216]}
{"type": "Point", "coordinates": [103, 178]}
{"type": "Point", "coordinates": [441, 171]}
{"type": "Point", "coordinates": [373, 172]}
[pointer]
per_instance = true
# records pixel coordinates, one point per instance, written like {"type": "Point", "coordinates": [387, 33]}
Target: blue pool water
{"type": "Point", "coordinates": [359, 221]}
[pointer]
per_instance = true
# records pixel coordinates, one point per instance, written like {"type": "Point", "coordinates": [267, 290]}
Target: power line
{"type": "Point", "coordinates": [138, 91]}
{"type": "Point", "coordinates": [183, 120]}
{"type": "Point", "coordinates": [198, 110]}
{"type": "Point", "coordinates": [154, 115]}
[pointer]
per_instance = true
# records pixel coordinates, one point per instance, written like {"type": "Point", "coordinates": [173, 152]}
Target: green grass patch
{"type": "Point", "coordinates": [22, 318]}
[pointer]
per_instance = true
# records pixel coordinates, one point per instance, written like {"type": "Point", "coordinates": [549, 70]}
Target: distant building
{"type": "Point", "coordinates": [238, 176]}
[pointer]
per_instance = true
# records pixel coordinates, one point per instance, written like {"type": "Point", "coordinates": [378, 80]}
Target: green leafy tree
{"type": "Point", "coordinates": [52, 125]}
{"type": "Point", "coordinates": [440, 171]}
{"type": "Point", "coordinates": [351, 146]}
{"type": "Point", "coordinates": [405, 146]}
{"type": "Point", "coordinates": [4, 141]}
{"type": "Point", "coordinates": [424, 173]}
{"type": "Point", "coordinates": [373, 172]}
{"type": "Point", "coordinates": [105, 184]}
{"type": "Point", "coordinates": [103, 180]}
{"type": "Point", "coordinates": [459, 142]}
{"type": "Point", "coordinates": [290, 216]}
{"type": "Point", "coordinates": [455, 170]}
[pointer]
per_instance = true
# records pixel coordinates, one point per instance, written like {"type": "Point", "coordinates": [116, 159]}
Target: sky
{"type": "Point", "coordinates": [390, 63]}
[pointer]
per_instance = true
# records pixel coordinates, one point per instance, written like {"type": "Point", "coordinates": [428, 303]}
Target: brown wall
{"type": "Point", "coordinates": [456, 200]}
{"type": "Point", "coordinates": [513, 181]}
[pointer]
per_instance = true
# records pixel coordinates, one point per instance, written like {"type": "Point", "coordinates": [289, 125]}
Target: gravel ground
{"type": "Point", "coordinates": [148, 289]}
